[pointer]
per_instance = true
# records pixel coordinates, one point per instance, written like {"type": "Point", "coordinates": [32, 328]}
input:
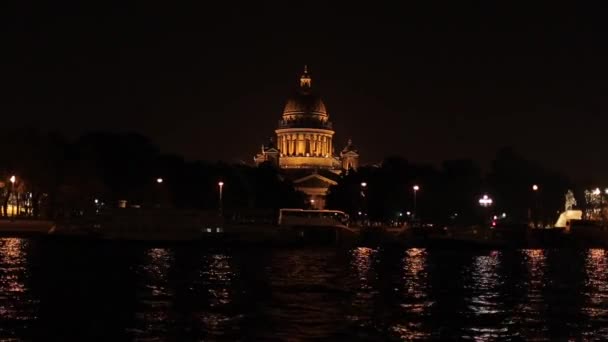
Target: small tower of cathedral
{"type": "Point", "coordinates": [269, 153]}
{"type": "Point", "coordinates": [349, 157]}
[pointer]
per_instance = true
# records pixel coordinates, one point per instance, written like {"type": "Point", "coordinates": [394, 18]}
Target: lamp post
{"type": "Point", "coordinates": [364, 197]}
{"type": "Point", "coordinates": [485, 201]}
{"type": "Point", "coordinates": [415, 188]}
{"type": "Point", "coordinates": [13, 179]}
{"type": "Point", "coordinates": [220, 184]}
{"type": "Point", "coordinates": [537, 215]}
{"type": "Point", "coordinates": [159, 180]}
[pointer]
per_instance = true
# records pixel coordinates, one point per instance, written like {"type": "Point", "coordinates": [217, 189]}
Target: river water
{"type": "Point", "coordinates": [51, 290]}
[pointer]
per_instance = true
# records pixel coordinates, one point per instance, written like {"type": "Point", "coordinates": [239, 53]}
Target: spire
{"type": "Point", "coordinates": [305, 80]}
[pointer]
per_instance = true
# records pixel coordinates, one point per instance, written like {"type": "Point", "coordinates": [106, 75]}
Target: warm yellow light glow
{"type": "Point", "coordinates": [535, 187]}
{"type": "Point", "coordinates": [159, 180]}
{"type": "Point", "coordinates": [416, 188]}
{"type": "Point", "coordinates": [11, 210]}
{"type": "Point", "coordinates": [363, 184]}
{"type": "Point", "coordinates": [221, 184]}
{"type": "Point", "coordinates": [13, 179]}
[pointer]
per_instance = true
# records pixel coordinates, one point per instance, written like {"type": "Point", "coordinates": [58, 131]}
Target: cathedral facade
{"type": "Point", "coordinates": [303, 148]}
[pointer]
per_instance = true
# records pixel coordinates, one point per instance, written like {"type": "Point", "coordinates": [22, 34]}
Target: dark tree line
{"type": "Point", "coordinates": [56, 175]}
{"type": "Point", "coordinates": [68, 176]}
{"type": "Point", "coordinates": [450, 193]}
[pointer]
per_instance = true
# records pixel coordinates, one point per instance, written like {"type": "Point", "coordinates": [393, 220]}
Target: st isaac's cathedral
{"type": "Point", "coordinates": [303, 148]}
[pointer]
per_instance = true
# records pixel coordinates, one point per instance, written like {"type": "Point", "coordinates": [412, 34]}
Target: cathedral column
{"type": "Point", "coordinates": [330, 147]}
{"type": "Point", "coordinates": [308, 144]}
{"type": "Point", "coordinates": [320, 145]}
{"type": "Point", "coordinates": [291, 143]}
{"type": "Point", "coordinates": [301, 144]}
{"type": "Point", "coordinates": [323, 145]}
{"type": "Point", "coordinates": [283, 145]}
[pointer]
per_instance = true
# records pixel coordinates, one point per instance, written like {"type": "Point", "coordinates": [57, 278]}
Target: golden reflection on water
{"type": "Point", "coordinates": [530, 310]}
{"type": "Point", "coordinates": [596, 284]}
{"type": "Point", "coordinates": [362, 261]}
{"type": "Point", "coordinates": [416, 304]}
{"type": "Point", "coordinates": [13, 265]}
{"type": "Point", "coordinates": [13, 261]}
{"type": "Point", "coordinates": [536, 262]}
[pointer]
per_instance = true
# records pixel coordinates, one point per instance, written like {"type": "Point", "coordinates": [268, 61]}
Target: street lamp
{"type": "Point", "coordinates": [537, 215]}
{"type": "Point", "coordinates": [364, 197]}
{"type": "Point", "coordinates": [416, 188]}
{"type": "Point", "coordinates": [221, 186]}
{"type": "Point", "coordinates": [159, 180]}
{"type": "Point", "coordinates": [485, 201]}
{"type": "Point", "coordinates": [12, 180]}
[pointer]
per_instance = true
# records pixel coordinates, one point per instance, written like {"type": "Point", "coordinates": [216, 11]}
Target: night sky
{"type": "Point", "coordinates": [210, 81]}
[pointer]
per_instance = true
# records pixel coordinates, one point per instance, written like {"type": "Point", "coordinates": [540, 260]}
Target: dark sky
{"type": "Point", "coordinates": [210, 81]}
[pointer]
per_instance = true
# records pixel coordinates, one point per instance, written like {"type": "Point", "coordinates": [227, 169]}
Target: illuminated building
{"type": "Point", "coordinates": [304, 149]}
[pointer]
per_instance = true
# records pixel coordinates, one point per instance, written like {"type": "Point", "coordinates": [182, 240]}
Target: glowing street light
{"type": "Point", "coordinates": [221, 186]}
{"type": "Point", "coordinates": [13, 179]}
{"type": "Point", "coordinates": [159, 180]}
{"type": "Point", "coordinates": [416, 188]}
{"type": "Point", "coordinates": [363, 184]}
{"type": "Point", "coordinates": [535, 187]}
{"type": "Point", "coordinates": [485, 201]}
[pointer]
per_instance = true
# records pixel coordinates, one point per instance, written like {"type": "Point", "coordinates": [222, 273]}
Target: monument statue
{"type": "Point", "coordinates": [570, 200]}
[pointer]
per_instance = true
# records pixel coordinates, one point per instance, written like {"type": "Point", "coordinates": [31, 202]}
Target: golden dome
{"type": "Point", "coordinates": [305, 103]}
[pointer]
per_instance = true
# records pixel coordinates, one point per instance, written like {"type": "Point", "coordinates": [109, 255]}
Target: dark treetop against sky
{"type": "Point", "coordinates": [210, 81]}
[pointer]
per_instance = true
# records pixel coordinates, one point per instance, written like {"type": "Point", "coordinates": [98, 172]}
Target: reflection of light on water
{"type": "Point", "coordinates": [157, 270]}
{"type": "Point", "coordinates": [12, 272]}
{"type": "Point", "coordinates": [416, 294]}
{"type": "Point", "coordinates": [536, 262]}
{"type": "Point", "coordinates": [13, 260]}
{"type": "Point", "coordinates": [217, 277]}
{"type": "Point", "coordinates": [362, 265]}
{"type": "Point", "coordinates": [596, 283]}
{"type": "Point", "coordinates": [484, 301]}
{"type": "Point", "coordinates": [414, 263]}
{"type": "Point", "coordinates": [156, 295]}
{"type": "Point", "coordinates": [362, 261]}
{"type": "Point", "coordinates": [219, 274]}
{"type": "Point", "coordinates": [485, 284]}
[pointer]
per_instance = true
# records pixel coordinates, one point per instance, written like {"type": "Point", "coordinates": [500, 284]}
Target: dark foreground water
{"type": "Point", "coordinates": [60, 291]}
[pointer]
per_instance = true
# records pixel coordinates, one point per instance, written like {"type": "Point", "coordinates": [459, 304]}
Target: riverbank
{"type": "Point", "coordinates": [24, 227]}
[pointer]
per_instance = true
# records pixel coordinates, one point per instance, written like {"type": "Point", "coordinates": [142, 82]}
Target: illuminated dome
{"type": "Point", "coordinates": [305, 104]}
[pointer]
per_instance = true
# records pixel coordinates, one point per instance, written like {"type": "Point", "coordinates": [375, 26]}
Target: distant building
{"type": "Point", "coordinates": [304, 148]}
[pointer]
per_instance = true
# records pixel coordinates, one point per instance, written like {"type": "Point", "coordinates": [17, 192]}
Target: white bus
{"type": "Point", "coordinates": [316, 218]}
